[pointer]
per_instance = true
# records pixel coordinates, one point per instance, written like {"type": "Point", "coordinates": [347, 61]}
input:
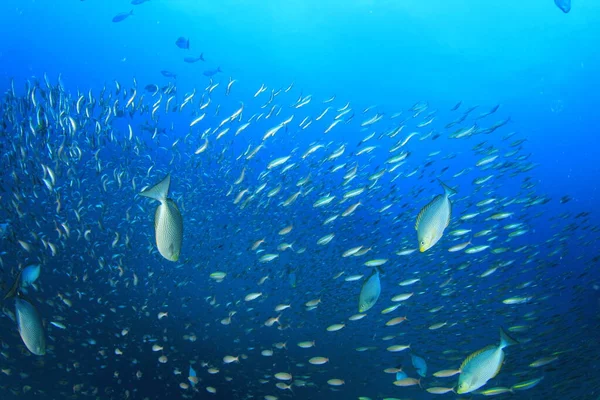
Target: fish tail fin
{"type": "Point", "coordinates": [447, 189]}
{"type": "Point", "coordinates": [10, 294]}
{"type": "Point", "coordinates": [159, 191]}
{"type": "Point", "coordinates": [219, 69]}
{"type": "Point", "coordinates": [14, 290]}
{"type": "Point", "coordinates": [202, 57]}
{"type": "Point", "coordinates": [379, 269]}
{"type": "Point", "coordinates": [506, 340]}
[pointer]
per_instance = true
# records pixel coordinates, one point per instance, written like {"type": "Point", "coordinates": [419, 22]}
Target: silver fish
{"type": "Point", "coordinates": [369, 293]}
{"type": "Point", "coordinates": [434, 218]}
{"type": "Point", "coordinates": [483, 365]}
{"type": "Point", "coordinates": [168, 223]}
{"type": "Point", "coordinates": [30, 327]}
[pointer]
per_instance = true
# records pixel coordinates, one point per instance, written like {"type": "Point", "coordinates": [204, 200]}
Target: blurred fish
{"type": "Point", "coordinates": [29, 275]}
{"type": "Point", "coordinates": [527, 384]}
{"type": "Point", "coordinates": [292, 278]}
{"type": "Point", "coordinates": [419, 364]}
{"type": "Point", "coordinates": [183, 43]}
{"type": "Point", "coordinates": [401, 375]}
{"type": "Point", "coordinates": [122, 16]}
{"type": "Point", "coordinates": [212, 72]}
{"type": "Point", "coordinates": [434, 218]}
{"type": "Point", "coordinates": [30, 327]}
{"type": "Point", "coordinates": [483, 365]}
{"type": "Point", "coordinates": [168, 223]}
{"type": "Point", "coordinates": [59, 325]}
{"type": "Point", "coordinates": [4, 228]}
{"type": "Point", "coordinates": [138, 2]}
{"type": "Point", "coordinates": [168, 74]}
{"type": "Point", "coordinates": [192, 377]}
{"type": "Point", "coordinates": [564, 5]}
{"type": "Point", "coordinates": [152, 88]}
{"type": "Point", "coordinates": [192, 60]}
{"type": "Point", "coordinates": [26, 277]}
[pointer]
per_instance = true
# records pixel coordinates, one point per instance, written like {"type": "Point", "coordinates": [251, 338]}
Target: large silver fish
{"type": "Point", "coordinates": [483, 365]}
{"type": "Point", "coordinates": [369, 293]}
{"type": "Point", "coordinates": [434, 218]}
{"type": "Point", "coordinates": [30, 327]}
{"type": "Point", "coordinates": [168, 223]}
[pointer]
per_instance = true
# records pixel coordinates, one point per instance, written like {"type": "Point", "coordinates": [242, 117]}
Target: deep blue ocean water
{"type": "Point", "coordinates": [541, 67]}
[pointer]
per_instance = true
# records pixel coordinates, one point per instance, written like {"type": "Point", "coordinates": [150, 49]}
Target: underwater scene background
{"type": "Point", "coordinates": [304, 199]}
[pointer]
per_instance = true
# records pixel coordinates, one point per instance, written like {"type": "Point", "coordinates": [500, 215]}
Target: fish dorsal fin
{"type": "Point", "coordinates": [159, 191]}
{"type": "Point", "coordinates": [424, 210]}
{"type": "Point", "coordinates": [475, 354]}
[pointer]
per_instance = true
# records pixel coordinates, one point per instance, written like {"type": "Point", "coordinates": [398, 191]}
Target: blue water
{"type": "Point", "coordinates": [539, 64]}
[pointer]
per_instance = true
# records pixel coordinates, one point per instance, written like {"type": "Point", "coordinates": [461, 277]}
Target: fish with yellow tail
{"type": "Point", "coordinates": [483, 365]}
{"type": "Point", "coordinates": [168, 223]}
{"type": "Point", "coordinates": [434, 218]}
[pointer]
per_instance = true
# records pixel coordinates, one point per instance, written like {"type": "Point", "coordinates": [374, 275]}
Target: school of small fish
{"type": "Point", "coordinates": [330, 249]}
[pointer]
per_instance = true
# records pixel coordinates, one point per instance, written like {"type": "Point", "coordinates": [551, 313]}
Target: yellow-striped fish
{"type": "Point", "coordinates": [168, 223]}
{"type": "Point", "coordinates": [434, 218]}
{"type": "Point", "coordinates": [483, 365]}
